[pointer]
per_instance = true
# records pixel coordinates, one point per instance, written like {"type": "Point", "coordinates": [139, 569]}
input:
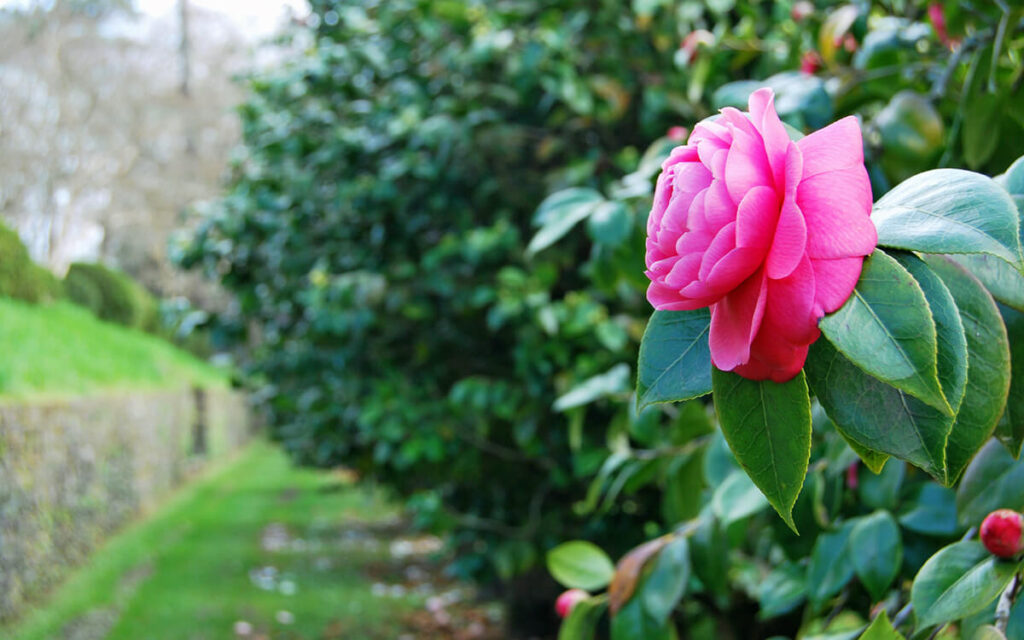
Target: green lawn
{"type": "Point", "coordinates": [294, 553]}
{"type": "Point", "coordinates": [61, 349]}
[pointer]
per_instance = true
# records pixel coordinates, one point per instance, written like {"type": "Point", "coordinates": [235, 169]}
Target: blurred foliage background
{"type": "Point", "coordinates": [434, 231]}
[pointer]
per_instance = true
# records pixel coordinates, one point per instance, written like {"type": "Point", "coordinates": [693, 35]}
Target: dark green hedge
{"type": "Point", "coordinates": [111, 295]}
{"type": "Point", "coordinates": [20, 277]}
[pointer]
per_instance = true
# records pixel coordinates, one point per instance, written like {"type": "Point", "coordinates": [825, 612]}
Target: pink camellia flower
{"type": "Point", "coordinates": [769, 233]}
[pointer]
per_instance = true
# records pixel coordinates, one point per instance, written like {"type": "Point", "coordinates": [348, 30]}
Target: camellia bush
{"type": "Point", "coordinates": [436, 234]}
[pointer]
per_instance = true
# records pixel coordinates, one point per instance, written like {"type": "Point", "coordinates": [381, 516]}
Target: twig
{"type": "Point", "coordinates": [1006, 603]}
{"type": "Point", "coordinates": [902, 616]}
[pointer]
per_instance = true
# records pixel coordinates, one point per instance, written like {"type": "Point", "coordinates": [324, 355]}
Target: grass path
{"type": "Point", "coordinates": [254, 549]}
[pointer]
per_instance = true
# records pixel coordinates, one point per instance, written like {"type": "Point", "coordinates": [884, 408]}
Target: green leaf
{"type": "Point", "coordinates": [831, 567]}
{"type": "Point", "coordinates": [633, 623]}
{"type": "Point", "coordinates": [950, 211]}
{"type": "Point", "coordinates": [993, 480]}
{"type": "Point", "coordinates": [559, 213]}
{"type": "Point", "coordinates": [737, 498]}
{"type": "Point", "coordinates": [666, 583]}
{"type": "Point", "coordinates": [875, 415]}
{"type": "Point", "coordinates": [610, 224]}
{"type": "Point", "coordinates": [581, 623]}
{"type": "Point", "coordinates": [949, 328]}
{"type": "Point", "coordinates": [882, 490]}
{"type": "Point", "coordinates": [988, 366]}
{"type": "Point", "coordinates": [782, 591]}
{"type": "Point", "coordinates": [1004, 282]}
{"type": "Point", "coordinates": [580, 565]}
{"type": "Point", "coordinates": [982, 117]}
{"type": "Point", "coordinates": [684, 480]}
{"type": "Point", "coordinates": [880, 629]}
{"type": "Point", "coordinates": [709, 552]}
{"type": "Point", "coordinates": [675, 357]}
{"type": "Point", "coordinates": [768, 428]}
{"type": "Point", "coordinates": [873, 460]}
{"type": "Point", "coordinates": [988, 632]}
{"type": "Point", "coordinates": [957, 581]}
{"type": "Point", "coordinates": [886, 329]}
{"type": "Point", "coordinates": [615, 380]}
{"type": "Point", "coordinates": [930, 510]}
{"type": "Point", "coordinates": [877, 552]}
{"type": "Point", "coordinates": [1010, 429]}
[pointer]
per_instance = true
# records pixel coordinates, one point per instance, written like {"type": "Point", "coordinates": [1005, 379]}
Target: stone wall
{"type": "Point", "coordinates": [73, 471]}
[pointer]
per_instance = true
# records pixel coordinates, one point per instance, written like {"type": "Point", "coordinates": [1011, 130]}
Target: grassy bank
{"type": "Point", "coordinates": [290, 552]}
{"type": "Point", "coordinates": [61, 349]}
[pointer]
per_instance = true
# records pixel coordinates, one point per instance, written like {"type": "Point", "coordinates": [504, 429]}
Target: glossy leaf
{"type": "Point", "coordinates": [736, 498]}
{"type": "Point", "coordinates": [675, 357]}
{"type": "Point", "coordinates": [876, 550]}
{"type": "Point", "coordinates": [988, 370]}
{"type": "Point", "coordinates": [949, 211]}
{"type": "Point", "coordinates": [615, 380]}
{"type": "Point", "coordinates": [876, 415]}
{"type": "Point", "coordinates": [610, 223]}
{"type": "Point", "coordinates": [782, 591]}
{"type": "Point", "coordinates": [993, 480]}
{"type": "Point", "coordinates": [581, 623]}
{"type": "Point", "coordinates": [930, 510]}
{"type": "Point", "coordinates": [882, 490]}
{"type": "Point", "coordinates": [1005, 283]}
{"type": "Point", "coordinates": [633, 622]}
{"type": "Point", "coordinates": [879, 629]}
{"type": "Point", "coordinates": [959, 580]}
{"type": "Point", "coordinates": [831, 566]}
{"type": "Point", "coordinates": [1010, 429]}
{"type": "Point", "coordinates": [873, 460]}
{"type": "Point", "coordinates": [580, 565]}
{"type": "Point", "coordinates": [951, 357]}
{"type": "Point", "coordinates": [886, 329]}
{"type": "Point", "coordinates": [667, 581]}
{"type": "Point", "coordinates": [768, 428]}
{"type": "Point", "coordinates": [559, 213]}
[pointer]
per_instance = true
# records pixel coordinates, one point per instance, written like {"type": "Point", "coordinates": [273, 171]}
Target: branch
{"type": "Point", "coordinates": [1006, 603]}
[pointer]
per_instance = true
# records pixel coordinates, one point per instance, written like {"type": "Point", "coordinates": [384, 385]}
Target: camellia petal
{"type": "Point", "coordinates": [836, 205]}
{"type": "Point", "coordinates": [735, 320]}
{"type": "Point", "coordinates": [837, 146]}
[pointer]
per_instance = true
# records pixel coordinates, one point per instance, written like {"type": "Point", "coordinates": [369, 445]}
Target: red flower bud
{"type": "Point", "coordinates": [692, 42]}
{"type": "Point", "coordinates": [568, 600]}
{"type": "Point", "coordinates": [810, 62]}
{"type": "Point", "coordinates": [677, 134]}
{"type": "Point", "coordinates": [1001, 533]}
{"type": "Point", "coordinates": [852, 479]}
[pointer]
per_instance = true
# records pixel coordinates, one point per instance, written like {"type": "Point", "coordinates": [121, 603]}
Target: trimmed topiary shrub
{"type": "Point", "coordinates": [111, 295]}
{"type": "Point", "coordinates": [20, 277]}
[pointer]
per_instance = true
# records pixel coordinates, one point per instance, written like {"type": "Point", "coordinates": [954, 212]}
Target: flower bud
{"type": "Point", "coordinates": [568, 600]}
{"type": "Point", "coordinates": [1001, 533]}
{"type": "Point", "coordinates": [801, 10]}
{"type": "Point", "coordinates": [677, 134]}
{"type": "Point", "coordinates": [852, 476]}
{"type": "Point", "coordinates": [810, 62]}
